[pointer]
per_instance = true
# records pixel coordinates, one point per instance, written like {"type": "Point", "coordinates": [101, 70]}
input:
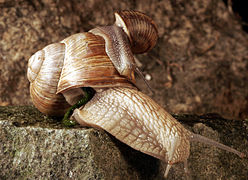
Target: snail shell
{"type": "Point", "coordinates": [78, 61]}
{"type": "Point", "coordinates": [141, 30]}
{"type": "Point", "coordinates": [44, 69]}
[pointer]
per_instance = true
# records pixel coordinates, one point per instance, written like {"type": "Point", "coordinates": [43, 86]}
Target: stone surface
{"type": "Point", "coordinates": [34, 146]}
{"type": "Point", "coordinates": [199, 65]}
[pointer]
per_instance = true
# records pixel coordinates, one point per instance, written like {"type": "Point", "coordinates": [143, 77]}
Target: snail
{"type": "Point", "coordinates": [133, 32]}
{"type": "Point", "coordinates": [60, 72]}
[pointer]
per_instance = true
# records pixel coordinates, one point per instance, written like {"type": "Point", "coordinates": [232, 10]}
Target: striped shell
{"type": "Point", "coordinates": [141, 30]}
{"type": "Point", "coordinates": [44, 69]}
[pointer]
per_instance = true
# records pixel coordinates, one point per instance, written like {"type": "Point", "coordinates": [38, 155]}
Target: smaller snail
{"type": "Point", "coordinates": [132, 32]}
{"type": "Point", "coordinates": [61, 73]}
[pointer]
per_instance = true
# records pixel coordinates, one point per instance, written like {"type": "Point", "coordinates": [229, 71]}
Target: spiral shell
{"type": "Point", "coordinates": [44, 69]}
{"type": "Point", "coordinates": [78, 61]}
{"type": "Point", "coordinates": [141, 30]}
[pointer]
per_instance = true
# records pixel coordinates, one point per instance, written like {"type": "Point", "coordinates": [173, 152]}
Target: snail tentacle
{"type": "Point", "coordinates": [202, 139]}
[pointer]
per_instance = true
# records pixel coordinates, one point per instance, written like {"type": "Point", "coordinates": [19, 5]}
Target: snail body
{"type": "Point", "coordinates": [135, 119]}
{"type": "Point", "coordinates": [132, 33]}
{"type": "Point", "coordinates": [116, 44]}
{"type": "Point", "coordinates": [138, 121]}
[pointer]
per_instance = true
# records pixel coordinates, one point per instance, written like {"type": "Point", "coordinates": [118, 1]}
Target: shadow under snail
{"type": "Point", "coordinates": [102, 59]}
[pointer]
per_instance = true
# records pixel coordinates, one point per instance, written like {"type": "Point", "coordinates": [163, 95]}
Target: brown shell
{"type": "Point", "coordinates": [141, 30]}
{"type": "Point", "coordinates": [87, 64]}
{"type": "Point", "coordinates": [44, 69]}
{"type": "Point", "coordinates": [78, 61]}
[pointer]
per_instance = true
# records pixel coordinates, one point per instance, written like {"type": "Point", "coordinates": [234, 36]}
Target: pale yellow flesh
{"type": "Point", "coordinates": [135, 119]}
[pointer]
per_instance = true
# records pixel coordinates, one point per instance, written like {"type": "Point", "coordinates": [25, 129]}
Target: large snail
{"type": "Point", "coordinates": [102, 59]}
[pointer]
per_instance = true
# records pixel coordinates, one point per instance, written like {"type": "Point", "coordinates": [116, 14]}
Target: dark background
{"type": "Point", "coordinates": [199, 65]}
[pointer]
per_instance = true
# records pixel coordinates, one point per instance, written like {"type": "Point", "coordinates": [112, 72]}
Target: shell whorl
{"type": "Point", "coordinates": [141, 30]}
{"type": "Point", "coordinates": [44, 69]}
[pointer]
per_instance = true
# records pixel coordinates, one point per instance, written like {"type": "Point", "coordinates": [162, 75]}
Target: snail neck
{"type": "Point", "coordinates": [117, 48]}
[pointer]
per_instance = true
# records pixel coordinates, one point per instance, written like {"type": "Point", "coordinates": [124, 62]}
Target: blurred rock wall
{"type": "Point", "coordinates": [199, 65]}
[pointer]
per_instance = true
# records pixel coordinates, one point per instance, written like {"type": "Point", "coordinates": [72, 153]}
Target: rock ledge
{"type": "Point", "coordinates": [34, 146]}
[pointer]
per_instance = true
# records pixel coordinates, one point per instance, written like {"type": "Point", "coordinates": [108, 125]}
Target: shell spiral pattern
{"type": "Point", "coordinates": [140, 28]}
